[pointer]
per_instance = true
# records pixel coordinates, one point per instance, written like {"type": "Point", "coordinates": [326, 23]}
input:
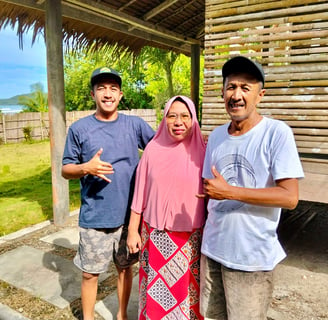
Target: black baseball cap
{"type": "Point", "coordinates": [105, 73]}
{"type": "Point", "coordinates": [240, 64]}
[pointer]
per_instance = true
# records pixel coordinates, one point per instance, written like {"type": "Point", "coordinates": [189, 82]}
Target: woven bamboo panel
{"type": "Point", "coordinates": [290, 39]}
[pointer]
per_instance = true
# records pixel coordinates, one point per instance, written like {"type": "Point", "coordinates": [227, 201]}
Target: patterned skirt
{"type": "Point", "coordinates": [169, 274]}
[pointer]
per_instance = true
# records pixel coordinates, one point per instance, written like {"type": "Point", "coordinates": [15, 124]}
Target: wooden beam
{"type": "Point", "coordinates": [117, 21]}
{"type": "Point", "coordinates": [125, 18]}
{"type": "Point", "coordinates": [152, 13]}
{"type": "Point", "coordinates": [195, 70]}
{"type": "Point", "coordinates": [100, 20]}
{"type": "Point", "coordinates": [182, 8]}
{"type": "Point", "coordinates": [56, 103]}
{"type": "Point", "coordinates": [164, 5]}
{"type": "Point", "coordinates": [127, 5]}
{"type": "Point", "coordinates": [39, 5]}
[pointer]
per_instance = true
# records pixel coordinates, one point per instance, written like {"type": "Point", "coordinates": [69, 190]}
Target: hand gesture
{"type": "Point", "coordinates": [216, 188]}
{"type": "Point", "coordinates": [99, 168]}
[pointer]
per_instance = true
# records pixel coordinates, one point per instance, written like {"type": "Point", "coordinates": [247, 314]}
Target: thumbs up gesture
{"type": "Point", "coordinates": [216, 188]}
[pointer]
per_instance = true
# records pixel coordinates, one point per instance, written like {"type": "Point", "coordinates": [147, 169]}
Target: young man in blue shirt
{"type": "Point", "coordinates": [102, 150]}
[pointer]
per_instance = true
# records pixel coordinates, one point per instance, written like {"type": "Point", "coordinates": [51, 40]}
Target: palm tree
{"type": "Point", "coordinates": [165, 59]}
{"type": "Point", "coordinates": [36, 101]}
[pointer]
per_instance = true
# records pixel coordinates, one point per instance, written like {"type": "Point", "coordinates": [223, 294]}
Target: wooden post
{"type": "Point", "coordinates": [195, 69]}
{"type": "Point", "coordinates": [41, 125]}
{"type": "Point", "coordinates": [4, 129]}
{"type": "Point", "coordinates": [56, 101]}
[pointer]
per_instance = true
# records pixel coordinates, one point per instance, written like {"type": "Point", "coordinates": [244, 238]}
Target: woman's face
{"type": "Point", "coordinates": [179, 121]}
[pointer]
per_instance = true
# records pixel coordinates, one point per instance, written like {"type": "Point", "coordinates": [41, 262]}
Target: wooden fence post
{"type": "Point", "coordinates": [4, 129]}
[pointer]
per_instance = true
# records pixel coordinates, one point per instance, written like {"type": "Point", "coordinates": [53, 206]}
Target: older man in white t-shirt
{"type": "Point", "coordinates": [251, 171]}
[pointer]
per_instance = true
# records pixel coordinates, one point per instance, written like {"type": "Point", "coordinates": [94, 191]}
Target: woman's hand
{"type": "Point", "coordinates": [133, 241]}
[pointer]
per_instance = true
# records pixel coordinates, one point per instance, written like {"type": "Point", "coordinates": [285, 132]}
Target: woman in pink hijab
{"type": "Point", "coordinates": [172, 217]}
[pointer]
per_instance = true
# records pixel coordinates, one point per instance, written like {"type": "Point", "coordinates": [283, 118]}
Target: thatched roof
{"type": "Point", "coordinates": [170, 24]}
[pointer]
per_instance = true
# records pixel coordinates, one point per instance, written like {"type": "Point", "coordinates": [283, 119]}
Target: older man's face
{"type": "Point", "coordinates": [241, 93]}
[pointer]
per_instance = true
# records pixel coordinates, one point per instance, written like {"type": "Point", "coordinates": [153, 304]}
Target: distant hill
{"type": "Point", "coordinates": [12, 101]}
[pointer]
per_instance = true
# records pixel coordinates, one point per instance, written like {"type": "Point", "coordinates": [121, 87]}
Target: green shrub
{"type": "Point", "coordinates": [28, 133]}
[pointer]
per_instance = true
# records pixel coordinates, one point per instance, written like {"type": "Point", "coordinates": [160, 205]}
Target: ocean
{"type": "Point", "coordinates": [11, 108]}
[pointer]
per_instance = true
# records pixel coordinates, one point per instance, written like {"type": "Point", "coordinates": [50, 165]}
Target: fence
{"type": "Point", "coordinates": [36, 124]}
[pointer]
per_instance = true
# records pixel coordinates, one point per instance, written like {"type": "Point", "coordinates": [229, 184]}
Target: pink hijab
{"type": "Point", "coordinates": [169, 177]}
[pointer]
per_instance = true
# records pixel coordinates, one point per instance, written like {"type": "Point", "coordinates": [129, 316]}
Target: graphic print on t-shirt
{"type": "Point", "coordinates": [237, 171]}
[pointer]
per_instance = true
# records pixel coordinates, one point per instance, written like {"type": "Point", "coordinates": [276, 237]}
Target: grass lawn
{"type": "Point", "coordinates": [25, 186]}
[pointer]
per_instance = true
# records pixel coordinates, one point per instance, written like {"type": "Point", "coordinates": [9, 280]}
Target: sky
{"type": "Point", "coordinates": [19, 69]}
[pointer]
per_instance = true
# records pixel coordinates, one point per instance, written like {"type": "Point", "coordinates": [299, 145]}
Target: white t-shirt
{"type": "Point", "coordinates": [239, 235]}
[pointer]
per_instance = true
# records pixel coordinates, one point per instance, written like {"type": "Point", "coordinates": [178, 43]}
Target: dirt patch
{"type": "Point", "coordinates": [301, 280]}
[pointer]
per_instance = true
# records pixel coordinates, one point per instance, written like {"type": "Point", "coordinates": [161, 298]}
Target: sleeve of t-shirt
{"type": "Point", "coordinates": [207, 172]}
{"type": "Point", "coordinates": [72, 150]}
{"type": "Point", "coordinates": [146, 133]}
{"type": "Point", "coordinates": [285, 159]}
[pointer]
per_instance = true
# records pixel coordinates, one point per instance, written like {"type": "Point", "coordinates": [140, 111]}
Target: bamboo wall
{"type": "Point", "coordinates": [11, 125]}
{"type": "Point", "coordinates": [290, 39]}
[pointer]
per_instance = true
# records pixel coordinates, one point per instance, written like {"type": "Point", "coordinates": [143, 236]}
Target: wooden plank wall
{"type": "Point", "coordinates": [11, 125]}
{"type": "Point", "coordinates": [290, 39]}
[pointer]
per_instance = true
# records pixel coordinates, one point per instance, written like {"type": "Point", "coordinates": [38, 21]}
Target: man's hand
{"type": "Point", "coordinates": [283, 195]}
{"type": "Point", "coordinates": [216, 188]}
{"type": "Point", "coordinates": [99, 168]}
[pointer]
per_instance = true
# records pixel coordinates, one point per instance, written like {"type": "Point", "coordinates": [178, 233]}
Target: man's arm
{"type": "Point", "coordinates": [95, 167]}
{"type": "Point", "coordinates": [284, 194]}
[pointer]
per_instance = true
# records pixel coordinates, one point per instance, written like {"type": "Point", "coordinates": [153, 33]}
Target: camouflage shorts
{"type": "Point", "coordinates": [98, 247]}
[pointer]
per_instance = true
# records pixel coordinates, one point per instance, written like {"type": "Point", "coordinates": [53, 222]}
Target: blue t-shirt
{"type": "Point", "coordinates": [103, 204]}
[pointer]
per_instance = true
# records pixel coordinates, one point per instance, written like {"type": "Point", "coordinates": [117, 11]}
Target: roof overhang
{"type": "Point", "coordinates": [89, 20]}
